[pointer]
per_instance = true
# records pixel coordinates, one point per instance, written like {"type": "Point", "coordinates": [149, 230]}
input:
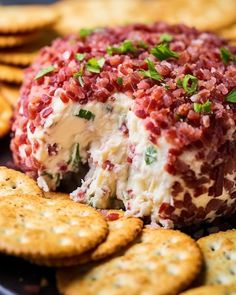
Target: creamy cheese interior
{"type": "Point", "coordinates": [125, 167]}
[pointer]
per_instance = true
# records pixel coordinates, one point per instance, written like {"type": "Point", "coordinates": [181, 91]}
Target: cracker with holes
{"type": "Point", "coordinates": [216, 290]}
{"type": "Point", "coordinates": [13, 182]}
{"type": "Point", "coordinates": [22, 19]}
{"type": "Point", "coordinates": [160, 262]}
{"type": "Point", "coordinates": [122, 231]}
{"type": "Point", "coordinates": [8, 41]}
{"type": "Point", "coordinates": [11, 74]}
{"type": "Point", "coordinates": [219, 251]}
{"type": "Point", "coordinates": [57, 195]}
{"type": "Point", "coordinates": [5, 116]}
{"type": "Point", "coordinates": [37, 227]}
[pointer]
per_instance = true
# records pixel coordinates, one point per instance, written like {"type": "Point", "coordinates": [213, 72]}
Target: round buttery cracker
{"type": "Point", "coordinates": [5, 116]}
{"type": "Point", "coordinates": [229, 32]}
{"type": "Point", "coordinates": [11, 74]}
{"type": "Point", "coordinates": [160, 262]}
{"type": "Point", "coordinates": [21, 19]}
{"type": "Point", "coordinates": [14, 182]}
{"type": "Point", "coordinates": [16, 40]}
{"type": "Point", "coordinates": [208, 290]}
{"type": "Point", "coordinates": [16, 58]}
{"type": "Point", "coordinates": [57, 195]}
{"type": "Point", "coordinates": [122, 231]}
{"type": "Point", "coordinates": [40, 228]}
{"type": "Point", "coordinates": [219, 252]}
{"type": "Point", "coordinates": [10, 92]}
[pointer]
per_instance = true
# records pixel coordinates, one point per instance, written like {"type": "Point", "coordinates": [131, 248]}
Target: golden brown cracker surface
{"type": "Point", "coordinates": [5, 116]}
{"type": "Point", "coordinates": [122, 231]}
{"type": "Point", "coordinates": [14, 182]}
{"type": "Point", "coordinates": [21, 19]}
{"type": "Point", "coordinates": [11, 74]}
{"type": "Point", "coordinates": [37, 227]}
{"type": "Point", "coordinates": [10, 92]}
{"type": "Point", "coordinates": [8, 41]}
{"type": "Point", "coordinates": [229, 32]}
{"type": "Point", "coordinates": [219, 252]}
{"type": "Point", "coordinates": [160, 262]}
{"type": "Point", "coordinates": [212, 290]}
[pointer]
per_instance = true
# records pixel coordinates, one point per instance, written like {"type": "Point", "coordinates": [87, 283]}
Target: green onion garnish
{"type": "Point", "coordinates": [44, 72]}
{"type": "Point", "coordinates": [75, 158]}
{"type": "Point", "coordinates": [125, 47]}
{"type": "Point", "coordinates": [226, 55]}
{"type": "Point", "coordinates": [78, 76]}
{"type": "Point", "coordinates": [79, 56]}
{"type": "Point", "coordinates": [190, 84]}
{"type": "Point", "coordinates": [166, 37]}
{"type": "Point", "coordinates": [84, 32]}
{"type": "Point", "coordinates": [95, 65]}
{"type": "Point", "coordinates": [162, 52]}
{"type": "Point", "coordinates": [150, 155]}
{"type": "Point", "coordinates": [87, 115]}
{"type": "Point", "coordinates": [202, 108]}
{"type": "Point", "coordinates": [119, 81]}
{"type": "Point", "coordinates": [151, 72]}
{"type": "Point", "coordinates": [231, 97]}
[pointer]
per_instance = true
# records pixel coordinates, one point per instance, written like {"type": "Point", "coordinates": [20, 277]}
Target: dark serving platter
{"type": "Point", "coordinates": [18, 277]}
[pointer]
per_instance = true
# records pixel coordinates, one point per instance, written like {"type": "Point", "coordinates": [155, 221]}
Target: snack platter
{"type": "Point", "coordinates": [117, 149]}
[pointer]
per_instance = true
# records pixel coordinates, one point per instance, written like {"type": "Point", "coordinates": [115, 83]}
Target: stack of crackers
{"type": "Point", "coordinates": [23, 31]}
{"type": "Point", "coordinates": [105, 252]}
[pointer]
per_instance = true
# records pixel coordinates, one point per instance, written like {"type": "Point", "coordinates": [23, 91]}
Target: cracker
{"type": "Point", "coordinates": [42, 228]}
{"type": "Point", "coordinates": [5, 116]}
{"type": "Point", "coordinates": [229, 33]}
{"type": "Point", "coordinates": [21, 19]}
{"type": "Point", "coordinates": [56, 195]}
{"type": "Point", "coordinates": [204, 14]}
{"type": "Point", "coordinates": [17, 58]}
{"type": "Point", "coordinates": [10, 92]}
{"type": "Point", "coordinates": [11, 74]}
{"type": "Point", "coordinates": [16, 40]}
{"type": "Point", "coordinates": [14, 182]}
{"type": "Point", "coordinates": [208, 290]}
{"type": "Point", "coordinates": [160, 262]}
{"type": "Point", "coordinates": [122, 231]}
{"type": "Point", "coordinates": [219, 252]}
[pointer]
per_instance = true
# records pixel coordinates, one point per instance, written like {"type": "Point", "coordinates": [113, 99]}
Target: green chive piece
{"type": "Point", "coordinates": [151, 72]}
{"type": "Point", "coordinates": [79, 56]}
{"type": "Point", "coordinates": [44, 72]}
{"type": "Point", "coordinates": [166, 37]}
{"type": "Point", "coordinates": [78, 76]}
{"type": "Point", "coordinates": [84, 114]}
{"type": "Point", "coordinates": [231, 97]}
{"type": "Point", "coordinates": [179, 83]}
{"type": "Point", "coordinates": [125, 47]}
{"type": "Point", "coordinates": [95, 65]}
{"type": "Point", "coordinates": [226, 55]}
{"type": "Point", "coordinates": [119, 81]}
{"type": "Point", "coordinates": [75, 158]}
{"type": "Point", "coordinates": [84, 32]}
{"type": "Point", "coordinates": [150, 155]}
{"type": "Point", "coordinates": [162, 52]}
{"type": "Point", "coordinates": [142, 44]}
{"type": "Point", "coordinates": [202, 108]}
{"type": "Point", "coordinates": [190, 84]}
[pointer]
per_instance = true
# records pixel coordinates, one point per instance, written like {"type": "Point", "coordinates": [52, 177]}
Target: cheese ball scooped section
{"type": "Point", "coordinates": [150, 108]}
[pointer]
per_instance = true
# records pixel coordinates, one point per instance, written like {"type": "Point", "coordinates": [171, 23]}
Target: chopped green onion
{"type": "Point", "coordinates": [79, 56]}
{"type": "Point", "coordinates": [84, 32]}
{"type": "Point", "coordinates": [87, 115]}
{"type": "Point", "coordinates": [142, 44]}
{"type": "Point", "coordinates": [179, 83]}
{"type": "Point", "coordinates": [75, 158]}
{"type": "Point", "coordinates": [95, 65]}
{"type": "Point", "coordinates": [125, 47]}
{"type": "Point", "coordinates": [119, 81]}
{"type": "Point", "coordinates": [166, 37]}
{"type": "Point", "coordinates": [231, 97]}
{"type": "Point", "coordinates": [44, 72]}
{"type": "Point", "coordinates": [202, 108]}
{"type": "Point", "coordinates": [150, 155]}
{"type": "Point", "coordinates": [78, 75]}
{"type": "Point", "coordinates": [151, 72]}
{"type": "Point", "coordinates": [226, 55]}
{"type": "Point", "coordinates": [162, 52]}
{"type": "Point", "coordinates": [190, 84]}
